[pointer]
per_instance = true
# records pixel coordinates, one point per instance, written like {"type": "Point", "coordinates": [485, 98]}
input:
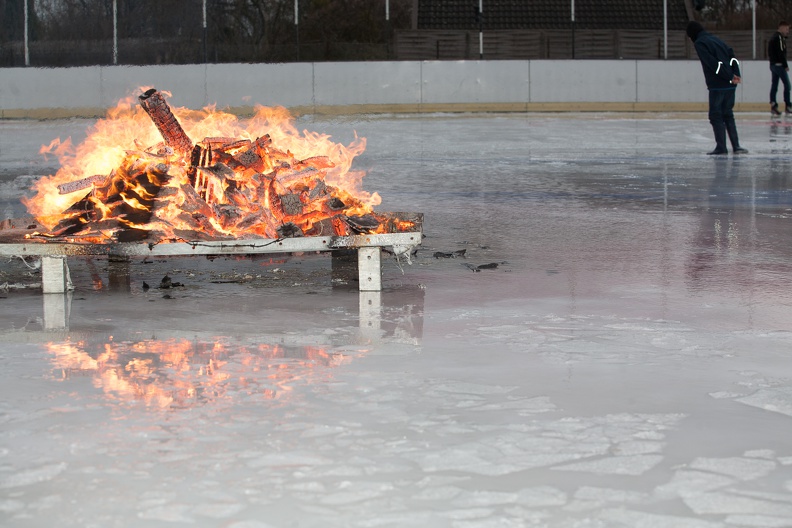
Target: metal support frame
{"type": "Point", "coordinates": [55, 271]}
{"type": "Point", "coordinates": [370, 268]}
{"type": "Point", "coordinates": [370, 313]}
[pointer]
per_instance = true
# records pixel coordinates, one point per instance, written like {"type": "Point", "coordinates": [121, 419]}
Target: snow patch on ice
{"type": "Point", "coordinates": [347, 492]}
{"type": "Point", "coordinates": [438, 493]}
{"type": "Point", "coordinates": [760, 521]}
{"type": "Point", "coordinates": [778, 399]}
{"type": "Point", "coordinates": [287, 459]}
{"type": "Point", "coordinates": [219, 510]}
{"type": "Point", "coordinates": [458, 387]}
{"type": "Point", "coordinates": [729, 503]}
{"type": "Point", "coordinates": [524, 406]}
{"type": "Point", "coordinates": [33, 476]}
{"type": "Point", "coordinates": [168, 513]}
{"type": "Point", "coordinates": [249, 524]}
{"type": "Point", "coordinates": [484, 498]}
{"type": "Point", "coordinates": [620, 465]}
{"type": "Point", "coordinates": [635, 519]}
{"type": "Point", "coordinates": [591, 497]}
{"type": "Point", "coordinates": [760, 453]}
{"type": "Point", "coordinates": [720, 395]}
{"type": "Point", "coordinates": [685, 483]}
{"type": "Point", "coordinates": [11, 506]}
{"type": "Point", "coordinates": [737, 467]}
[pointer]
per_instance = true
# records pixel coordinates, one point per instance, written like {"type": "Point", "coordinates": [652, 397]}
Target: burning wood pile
{"type": "Point", "coordinates": [222, 187]}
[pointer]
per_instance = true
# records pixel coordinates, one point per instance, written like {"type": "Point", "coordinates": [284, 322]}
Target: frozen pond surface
{"type": "Point", "coordinates": [626, 364]}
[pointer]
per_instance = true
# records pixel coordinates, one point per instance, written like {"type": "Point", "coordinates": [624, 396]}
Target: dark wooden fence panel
{"type": "Point", "coordinates": [512, 45]}
{"type": "Point", "coordinates": [551, 44]}
{"type": "Point", "coordinates": [406, 45]}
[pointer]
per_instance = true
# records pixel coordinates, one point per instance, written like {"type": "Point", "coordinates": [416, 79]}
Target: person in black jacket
{"type": "Point", "coordinates": [776, 53]}
{"type": "Point", "coordinates": [722, 75]}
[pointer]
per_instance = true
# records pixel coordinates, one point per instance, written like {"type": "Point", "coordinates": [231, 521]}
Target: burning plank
{"type": "Point", "coordinates": [74, 186]}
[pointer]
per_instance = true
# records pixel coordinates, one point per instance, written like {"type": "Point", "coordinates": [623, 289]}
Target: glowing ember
{"type": "Point", "coordinates": [257, 179]}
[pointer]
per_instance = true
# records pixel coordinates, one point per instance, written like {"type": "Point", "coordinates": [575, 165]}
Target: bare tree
{"type": "Point", "coordinates": [12, 20]}
{"type": "Point", "coordinates": [738, 14]}
{"type": "Point", "coordinates": [328, 22]}
{"type": "Point", "coordinates": [77, 32]}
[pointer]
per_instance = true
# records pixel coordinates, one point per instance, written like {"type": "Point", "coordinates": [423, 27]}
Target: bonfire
{"type": "Point", "coordinates": [140, 175]}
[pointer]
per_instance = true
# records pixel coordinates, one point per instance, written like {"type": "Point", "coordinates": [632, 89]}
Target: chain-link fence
{"type": "Point", "coordinates": [59, 33]}
{"type": "Point", "coordinates": [136, 32]}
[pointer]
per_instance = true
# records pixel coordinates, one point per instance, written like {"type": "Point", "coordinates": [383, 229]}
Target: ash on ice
{"type": "Point", "coordinates": [594, 332]}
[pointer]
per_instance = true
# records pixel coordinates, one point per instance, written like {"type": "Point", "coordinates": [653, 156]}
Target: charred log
{"type": "Point", "coordinates": [167, 124]}
{"type": "Point", "coordinates": [133, 235]}
{"type": "Point", "coordinates": [196, 157]}
{"type": "Point", "coordinates": [320, 189]}
{"type": "Point", "coordinates": [291, 204]}
{"type": "Point", "coordinates": [334, 226]}
{"type": "Point", "coordinates": [363, 224]}
{"type": "Point", "coordinates": [336, 204]}
{"type": "Point", "coordinates": [289, 230]}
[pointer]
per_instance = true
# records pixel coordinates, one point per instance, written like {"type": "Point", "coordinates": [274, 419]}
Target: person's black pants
{"type": "Point", "coordinates": [721, 116]}
{"type": "Point", "coordinates": [779, 73]}
{"type": "Point", "coordinates": [721, 106]}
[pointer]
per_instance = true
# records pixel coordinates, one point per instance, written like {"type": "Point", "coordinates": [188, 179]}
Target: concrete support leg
{"type": "Point", "coordinates": [55, 275]}
{"type": "Point", "coordinates": [370, 268]}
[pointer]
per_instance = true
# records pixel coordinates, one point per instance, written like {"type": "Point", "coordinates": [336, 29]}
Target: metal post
{"type": "Point", "coordinates": [27, 50]}
{"type": "Point", "coordinates": [665, 29]}
{"type": "Point", "coordinates": [204, 33]}
{"type": "Point", "coordinates": [370, 268]}
{"type": "Point", "coordinates": [115, 31]}
{"type": "Point", "coordinates": [481, 29]}
{"type": "Point", "coordinates": [297, 25]}
{"type": "Point", "coordinates": [753, 27]}
{"type": "Point", "coordinates": [573, 29]}
{"type": "Point", "coordinates": [387, 29]}
{"type": "Point", "coordinates": [370, 313]}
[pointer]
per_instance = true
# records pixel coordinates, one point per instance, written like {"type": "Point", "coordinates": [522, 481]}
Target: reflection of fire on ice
{"type": "Point", "coordinates": [130, 180]}
{"type": "Point", "coordinates": [181, 373]}
{"type": "Point", "coordinates": [175, 371]}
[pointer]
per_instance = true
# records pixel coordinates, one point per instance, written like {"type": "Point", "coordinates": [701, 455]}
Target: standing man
{"type": "Point", "coordinates": [776, 53]}
{"type": "Point", "coordinates": [722, 74]}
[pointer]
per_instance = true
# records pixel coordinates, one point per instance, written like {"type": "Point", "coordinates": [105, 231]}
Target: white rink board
{"type": "Point", "coordinates": [448, 82]}
{"type": "Point", "coordinates": [583, 81]}
{"type": "Point", "coordinates": [352, 83]}
{"type": "Point", "coordinates": [409, 83]}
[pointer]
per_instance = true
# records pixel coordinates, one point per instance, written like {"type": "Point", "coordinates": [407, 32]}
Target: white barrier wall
{"type": "Point", "coordinates": [377, 86]}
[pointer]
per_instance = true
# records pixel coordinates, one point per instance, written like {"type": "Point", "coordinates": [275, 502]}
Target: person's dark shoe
{"type": "Point", "coordinates": [788, 111]}
{"type": "Point", "coordinates": [717, 152]}
{"type": "Point", "coordinates": [740, 150]}
{"type": "Point", "coordinates": [774, 109]}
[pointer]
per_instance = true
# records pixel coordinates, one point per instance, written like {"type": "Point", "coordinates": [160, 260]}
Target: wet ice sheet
{"type": "Point", "coordinates": [625, 364]}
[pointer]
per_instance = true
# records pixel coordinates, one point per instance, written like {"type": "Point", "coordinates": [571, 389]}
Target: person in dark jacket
{"type": "Point", "coordinates": [722, 75]}
{"type": "Point", "coordinates": [776, 53]}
